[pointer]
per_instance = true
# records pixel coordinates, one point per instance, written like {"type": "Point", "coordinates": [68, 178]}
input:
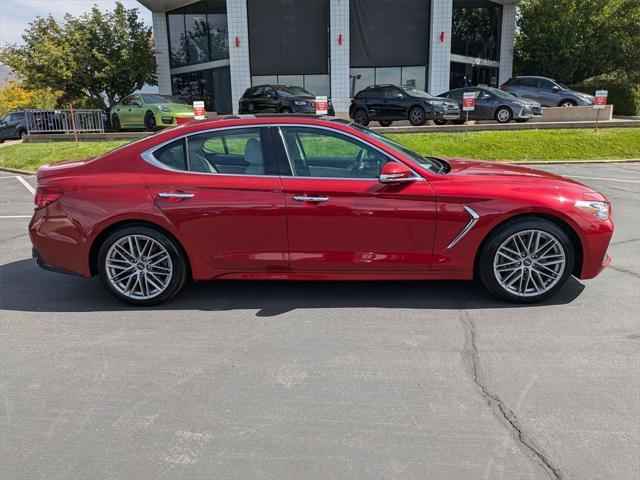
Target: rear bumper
{"type": "Point", "coordinates": [47, 266]}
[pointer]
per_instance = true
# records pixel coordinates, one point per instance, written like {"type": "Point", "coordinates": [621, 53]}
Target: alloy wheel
{"type": "Point", "coordinates": [529, 263]}
{"type": "Point", "coordinates": [138, 267]}
{"type": "Point", "coordinates": [503, 115]}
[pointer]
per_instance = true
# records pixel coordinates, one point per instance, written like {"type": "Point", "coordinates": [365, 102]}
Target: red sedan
{"type": "Point", "coordinates": [308, 198]}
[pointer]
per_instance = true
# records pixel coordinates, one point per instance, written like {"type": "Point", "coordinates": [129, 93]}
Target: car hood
{"type": "Point", "coordinates": [504, 172]}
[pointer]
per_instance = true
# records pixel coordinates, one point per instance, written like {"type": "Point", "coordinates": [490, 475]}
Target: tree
{"type": "Point", "coordinates": [96, 59]}
{"type": "Point", "coordinates": [572, 40]}
{"type": "Point", "coordinates": [14, 96]}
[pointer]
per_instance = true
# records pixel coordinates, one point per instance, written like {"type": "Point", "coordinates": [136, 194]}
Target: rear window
{"type": "Point", "coordinates": [527, 82]}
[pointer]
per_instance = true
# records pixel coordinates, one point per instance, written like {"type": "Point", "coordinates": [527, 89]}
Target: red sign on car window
{"type": "Point", "coordinates": [469, 102]}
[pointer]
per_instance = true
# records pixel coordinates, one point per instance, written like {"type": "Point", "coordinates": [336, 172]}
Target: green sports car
{"type": "Point", "coordinates": [150, 111]}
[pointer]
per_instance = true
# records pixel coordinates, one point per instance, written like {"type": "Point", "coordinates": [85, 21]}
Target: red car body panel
{"type": "Point", "coordinates": [240, 226]}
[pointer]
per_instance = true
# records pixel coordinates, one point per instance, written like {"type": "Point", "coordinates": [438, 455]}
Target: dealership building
{"type": "Point", "coordinates": [213, 50]}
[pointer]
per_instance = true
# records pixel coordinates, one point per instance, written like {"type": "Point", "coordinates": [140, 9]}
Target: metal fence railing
{"type": "Point", "coordinates": [64, 121]}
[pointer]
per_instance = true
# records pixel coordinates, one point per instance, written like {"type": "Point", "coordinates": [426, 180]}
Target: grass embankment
{"type": "Point", "coordinates": [29, 156]}
{"type": "Point", "coordinates": [517, 145]}
{"type": "Point", "coordinates": [528, 145]}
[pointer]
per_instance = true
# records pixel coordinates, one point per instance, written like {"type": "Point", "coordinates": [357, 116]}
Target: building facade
{"type": "Point", "coordinates": [213, 50]}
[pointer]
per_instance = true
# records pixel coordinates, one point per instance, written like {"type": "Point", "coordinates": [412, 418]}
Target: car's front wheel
{"type": "Point", "coordinates": [526, 261]}
{"type": "Point", "coordinates": [417, 116]}
{"type": "Point", "coordinates": [385, 123]}
{"type": "Point", "coordinates": [438, 121]}
{"type": "Point", "coordinates": [141, 266]}
{"type": "Point", "coordinates": [150, 121]}
{"type": "Point", "coordinates": [568, 103]}
{"type": "Point", "coordinates": [504, 115]}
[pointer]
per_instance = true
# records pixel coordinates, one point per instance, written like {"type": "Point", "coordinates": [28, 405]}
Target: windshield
{"type": "Point", "coordinates": [290, 91]}
{"type": "Point", "coordinates": [414, 92]}
{"type": "Point", "coordinates": [432, 164]}
{"type": "Point", "coordinates": [153, 99]}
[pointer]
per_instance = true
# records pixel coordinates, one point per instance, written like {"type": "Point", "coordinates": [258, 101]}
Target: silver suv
{"type": "Point", "coordinates": [546, 91]}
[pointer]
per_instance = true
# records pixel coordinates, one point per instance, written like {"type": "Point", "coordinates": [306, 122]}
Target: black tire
{"type": "Point", "coordinates": [489, 249]}
{"type": "Point", "coordinates": [504, 115]}
{"type": "Point", "coordinates": [22, 134]}
{"type": "Point", "coordinates": [285, 110]}
{"type": "Point", "coordinates": [115, 123]}
{"type": "Point", "coordinates": [522, 120]}
{"type": "Point", "coordinates": [440, 122]}
{"type": "Point", "coordinates": [460, 121]}
{"type": "Point", "coordinates": [385, 123]}
{"type": "Point", "coordinates": [361, 117]}
{"type": "Point", "coordinates": [568, 103]}
{"type": "Point", "coordinates": [150, 121]}
{"type": "Point", "coordinates": [417, 116]}
{"type": "Point", "coordinates": [179, 265]}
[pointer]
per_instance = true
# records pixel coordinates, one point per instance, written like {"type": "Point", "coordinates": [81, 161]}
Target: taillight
{"type": "Point", "coordinates": [46, 196]}
{"type": "Point", "coordinates": [503, 86]}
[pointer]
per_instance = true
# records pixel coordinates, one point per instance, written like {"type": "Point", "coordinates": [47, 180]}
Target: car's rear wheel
{"type": "Point", "coordinates": [417, 116]}
{"type": "Point", "coordinates": [141, 266]}
{"type": "Point", "coordinates": [568, 103]}
{"type": "Point", "coordinates": [526, 261]}
{"type": "Point", "coordinates": [504, 115]}
{"type": "Point", "coordinates": [115, 123]}
{"type": "Point", "coordinates": [285, 110]}
{"type": "Point", "coordinates": [150, 121]}
{"type": "Point", "coordinates": [385, 123]}
{"type": "Point", "coordinates": [361, 117]}
{"type": "Point", "coordinates": [22, 134]}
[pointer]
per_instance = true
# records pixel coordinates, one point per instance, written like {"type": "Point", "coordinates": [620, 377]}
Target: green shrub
{"type": "Point", "coordinates": [624, 92]}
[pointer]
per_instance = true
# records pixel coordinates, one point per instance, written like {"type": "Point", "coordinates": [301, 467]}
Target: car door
{"type": "Point", "coordinates": [527, 88]}
{"type": "Point", "coordinates": [340, 217]}
{"type": "Point", "coordinates": [266, 100]}
{"type": "Point", "coordinates": [375, 102]}
{"type": "Point", "coordinates": [548, 96]}
{"type": "Point", "coordinates": [222, 191]}
{"type": "Point", "coordinates": [136, 111]}
{"type": "Point", "coordinates": [7, 130]}
{"type": "Point", "coordinates": [123, 110]}
{"type": "Point", "coordinates": [395, 103]}
{"type": "Point", "coordinates": [486, 105]}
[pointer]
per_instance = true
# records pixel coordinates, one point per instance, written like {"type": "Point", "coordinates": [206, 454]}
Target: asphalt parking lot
{"type": "Point", "coordinates": [239, 380]}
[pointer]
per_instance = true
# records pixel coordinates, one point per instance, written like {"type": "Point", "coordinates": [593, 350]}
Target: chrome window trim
{"type": "Point", "coordinates": [474, 219]}
{"type": "Point", "coordinates": [148, 156]}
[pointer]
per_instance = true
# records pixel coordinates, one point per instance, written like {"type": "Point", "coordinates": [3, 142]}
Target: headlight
{"type": "Point", "coordinates": [162, 108]}
{"type": "Point", "coordinates": [300, 103]}
{"type": "Point", "coordinates": [597, 209]}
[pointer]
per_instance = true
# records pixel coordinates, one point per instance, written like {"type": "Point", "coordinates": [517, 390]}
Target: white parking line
{"type": "Point", "coordinates": [15, 216]}
{"type": "Point", "coordinates": [601, 178]}
{"type": "Point", "coordinates": [27, 185]}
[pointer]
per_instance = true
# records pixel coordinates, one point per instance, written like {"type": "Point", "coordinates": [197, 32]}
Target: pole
{"type": "Point", "coordinates": [73, 124]}
{"type": "Point", "coordinates": [466, 124]}
{"type": "Point", "coordinates": [597, 118]}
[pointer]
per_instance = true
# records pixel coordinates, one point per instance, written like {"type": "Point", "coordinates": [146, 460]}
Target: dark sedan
{"type": "Point", "coordinates": [495, 104]}
{"type": "Point", "coordinates": [279, 99]}
{"type": "Point", "coordinates": [386, 103]}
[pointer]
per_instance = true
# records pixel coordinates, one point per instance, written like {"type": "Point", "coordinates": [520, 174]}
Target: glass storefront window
{"type": "Point", "coordinates": [213, 86]}
{"type": "Point", "coordinates": [198, 33]}
{"type": "Point", "coordinates": [316, 84]}
{"type": "Point", "coordinates": [177, 40]}
{"type": "Point", "coordinates": [468, 75]}
{"type": "Point", "coordinates": [475, 29]}
{"type": "Point", "coordinates": [413, 76]}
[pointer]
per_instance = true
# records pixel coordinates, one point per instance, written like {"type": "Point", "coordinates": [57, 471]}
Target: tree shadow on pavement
{"type": "Point", "coordinates": [26, 287]}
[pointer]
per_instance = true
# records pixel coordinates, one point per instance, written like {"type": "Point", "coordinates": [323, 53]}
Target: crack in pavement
{"type": "Point", "coordinates": [624, 270]}
{"type": "Point", "coordinates": [472, 357]}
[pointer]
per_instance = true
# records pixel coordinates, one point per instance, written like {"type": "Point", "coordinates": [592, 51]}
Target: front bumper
{"type": "Point", "coordinates": [446, 114]}
{"type": "Point", "coordinates": [311, 110]}
{"type": "Point", "coordinates": [168, 120]}
{"type": "Point", "coordinates": [525, 112]}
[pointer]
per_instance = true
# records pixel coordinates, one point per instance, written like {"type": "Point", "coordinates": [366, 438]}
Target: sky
{"type": "Point", "coordinates": [15, 15]}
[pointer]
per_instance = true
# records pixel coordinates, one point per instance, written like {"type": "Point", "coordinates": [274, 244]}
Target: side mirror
{"type": "Point", "coordinates": [555, 88]}
{"type": "Point", "coordinates": [136, 103]}
{"type": "Point", "coordinates": [396, 172]}
{"type": "Point", "coordinates": [399, 96]}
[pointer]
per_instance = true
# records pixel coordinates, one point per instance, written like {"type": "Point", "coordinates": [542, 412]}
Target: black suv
{"type": "Point", "coordinates": [13, 126]}
{"type": "Point", "coordinates": [386, 103]}
{"type": "Point", "coordinates": [279, 98]}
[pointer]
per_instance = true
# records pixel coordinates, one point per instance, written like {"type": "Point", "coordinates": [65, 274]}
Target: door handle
{"type": "Point", "coordinates": [176, 195]}
{"type": "Point", "coordinates": [304, 198]}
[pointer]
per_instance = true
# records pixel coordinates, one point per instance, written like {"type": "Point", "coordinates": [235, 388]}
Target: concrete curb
{"type": "Point", "coordinates": [15, 170]}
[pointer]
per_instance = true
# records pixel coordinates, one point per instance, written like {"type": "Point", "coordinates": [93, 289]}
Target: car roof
{"type": "Point", "coordinates": [534, 76]}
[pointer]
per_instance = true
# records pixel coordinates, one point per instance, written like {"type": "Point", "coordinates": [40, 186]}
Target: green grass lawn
{"type": "Point", "coordinates": [516, 145]}
{"type": "Point", "coordinates": [29, 156]}
{"type": "Point", "coordinates": [528, 145]}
